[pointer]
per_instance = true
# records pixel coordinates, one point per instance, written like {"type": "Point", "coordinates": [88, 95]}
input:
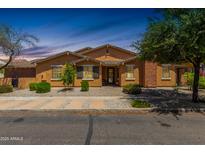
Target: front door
{"type": "Point", "coordinates": [110, 76]}
{"type": "Point", "coordinates": [15, 82]}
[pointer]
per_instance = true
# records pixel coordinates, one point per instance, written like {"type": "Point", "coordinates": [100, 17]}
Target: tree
{"type": "Point", "coordinates": [12, 42]}
{"type": "Point", "coordinates": [177, 37]}
{"type": "Point", "coordinates": [68, 75]}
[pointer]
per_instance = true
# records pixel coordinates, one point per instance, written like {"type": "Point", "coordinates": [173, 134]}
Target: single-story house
{"type": "Point", "coordinates": [101, 66]}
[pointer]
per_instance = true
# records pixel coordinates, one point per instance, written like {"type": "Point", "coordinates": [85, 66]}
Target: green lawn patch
{"type": "Point", "coordinates": [140, 104]}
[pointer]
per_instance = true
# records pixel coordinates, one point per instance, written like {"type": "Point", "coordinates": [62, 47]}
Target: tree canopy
{"type": "Point", "coordinates": [177, 37]}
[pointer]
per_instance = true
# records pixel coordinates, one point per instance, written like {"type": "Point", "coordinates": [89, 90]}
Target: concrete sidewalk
{"type": "Point", "coordinates": [63, 103]}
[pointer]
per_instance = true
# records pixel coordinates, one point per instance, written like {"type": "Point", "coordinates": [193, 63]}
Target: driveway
{"type": "Point", "coordinates": [64, 103]}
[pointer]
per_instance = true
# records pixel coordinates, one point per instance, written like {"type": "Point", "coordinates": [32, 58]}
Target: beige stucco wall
{"type": "Point", "coordinates": [166, 82]}
{"type": "Point", "coordinates": [137, 73]}
{"type": "Point", "coordinates": [5, 81]}
{"type": "Point", "coordinates": [23, 82]}
{"type": "Point", "coordinates": [44, 69]}
{"type": "Point", "coordinates": [94, 82]}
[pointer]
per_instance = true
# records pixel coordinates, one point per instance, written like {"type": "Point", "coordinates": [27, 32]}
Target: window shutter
{"type": "Point", "coordinates": [95, 72]}
{"type": "Point", "coordinates": [79, 72]}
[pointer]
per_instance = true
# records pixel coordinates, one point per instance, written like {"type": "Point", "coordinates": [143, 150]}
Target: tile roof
{"type": "Point", "coordinates": [20, 63]}
{"type": "Point", "coordinates": [56, 55]}
{"type": "Point", "coordinates": [81, 51]}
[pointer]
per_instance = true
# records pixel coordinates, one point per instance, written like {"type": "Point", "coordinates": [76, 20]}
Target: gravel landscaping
{"type": "Point", "coordinates": [61, 92]}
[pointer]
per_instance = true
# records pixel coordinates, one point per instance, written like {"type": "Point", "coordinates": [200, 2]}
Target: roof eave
{"type": "Point", "coordinates": [60, 54]}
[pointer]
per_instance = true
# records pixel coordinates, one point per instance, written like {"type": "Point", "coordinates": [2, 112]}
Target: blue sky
{"type": "Point", "coordinates": [71, 29]}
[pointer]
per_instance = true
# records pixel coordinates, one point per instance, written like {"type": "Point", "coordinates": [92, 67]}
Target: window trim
{"type": "Point", "coordinates": [168, 78]}
{"type": "Point", "coordinates": [133, 78]}
{"type": "Point", "coordinates": [88, 79]}
{"type": "Point", "coordinates": [55, 66]}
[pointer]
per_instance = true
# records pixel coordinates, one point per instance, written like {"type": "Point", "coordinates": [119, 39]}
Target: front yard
{"type": "Point", "coordinates": [168, 98]}
{"type": "Point", "coordinates": [160, 98]}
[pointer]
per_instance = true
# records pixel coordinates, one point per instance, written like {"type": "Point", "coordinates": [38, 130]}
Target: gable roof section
{"type": "Point", "coordinates": [86, 59]}
{"type": "Point", "coordinates": [129, 59]}
{"type": "Point", "coordinates": [81, 51]}
{"type": "Point", "coordinates": [110, 46]}
{"type": "Point", "coordinates": [57, 55]}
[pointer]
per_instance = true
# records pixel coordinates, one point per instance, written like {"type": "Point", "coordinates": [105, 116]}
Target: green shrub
{"type": "Point", "coordinates": [43, 87]}
{"type": "Point", "coordinates": [33, 86]}
{"type": "Point", "coordinates": [189, 77]}
{"type": "Point", "coordinates": [132, 89]}
{"type": "Point", "coordinates": [202, 82]}
{"type": "Point", "coordinates": [6, 88]}
{"type": "Point", "coordinates": [84, 86]}
{"type": "Point", "coordinates": [140, 104]}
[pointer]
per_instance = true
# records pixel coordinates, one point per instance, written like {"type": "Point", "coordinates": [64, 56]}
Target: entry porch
{"type": "Point", "coordinates": [110, 76]}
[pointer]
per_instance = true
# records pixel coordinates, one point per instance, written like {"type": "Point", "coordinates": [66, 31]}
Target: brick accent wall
{"type": "Point", "coordinates": [150, 74]}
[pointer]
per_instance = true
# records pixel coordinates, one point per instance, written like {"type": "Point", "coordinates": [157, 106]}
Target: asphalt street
{"type": "Point", "coordinates": [152, 128]}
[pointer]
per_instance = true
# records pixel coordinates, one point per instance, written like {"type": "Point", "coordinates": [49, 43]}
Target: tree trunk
{"type": "Point", "coordinates": [195, 97]}
{"type": "Point", "coordinates": [10, 59]}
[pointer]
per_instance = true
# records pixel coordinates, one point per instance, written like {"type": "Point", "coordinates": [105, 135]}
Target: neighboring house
{"type": "Point", "coordinates": [19, 73]}
{"type": "Point", "coordinates": [101, 66]}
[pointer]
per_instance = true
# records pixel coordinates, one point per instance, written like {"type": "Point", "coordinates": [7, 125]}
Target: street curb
{"type": "Point", "coordinates": [194, 109]}
{"type": "Point", "coordinates": [55, 112]}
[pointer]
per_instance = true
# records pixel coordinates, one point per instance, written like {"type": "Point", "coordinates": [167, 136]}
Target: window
{"type": "Point", "coordinates": [96, 72]}
{"type": "Point", "coordinates": [130, 71]}
{"type": "Point", "coordinates": [56, 72]}
{"type": "Point", "coordinates": [79, 72]}
{"type": "Point", "coordinates": [166, 72]}
{"type": "Point", "coordinates": [87, 72]}
{"type": "Point", "coordinates": [2, 73]}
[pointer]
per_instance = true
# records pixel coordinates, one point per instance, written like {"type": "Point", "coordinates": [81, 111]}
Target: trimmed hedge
{"type": "Point", "coordinates": [132, 89]}
{"type": "Point", "coordinates": [33, 86]}
{"type": "Point", "coordinates": [84, 85]}
{"type": "Point", "coordinates": [43, 87]}
{"type": "Point", "coordinates": [6, 88]}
